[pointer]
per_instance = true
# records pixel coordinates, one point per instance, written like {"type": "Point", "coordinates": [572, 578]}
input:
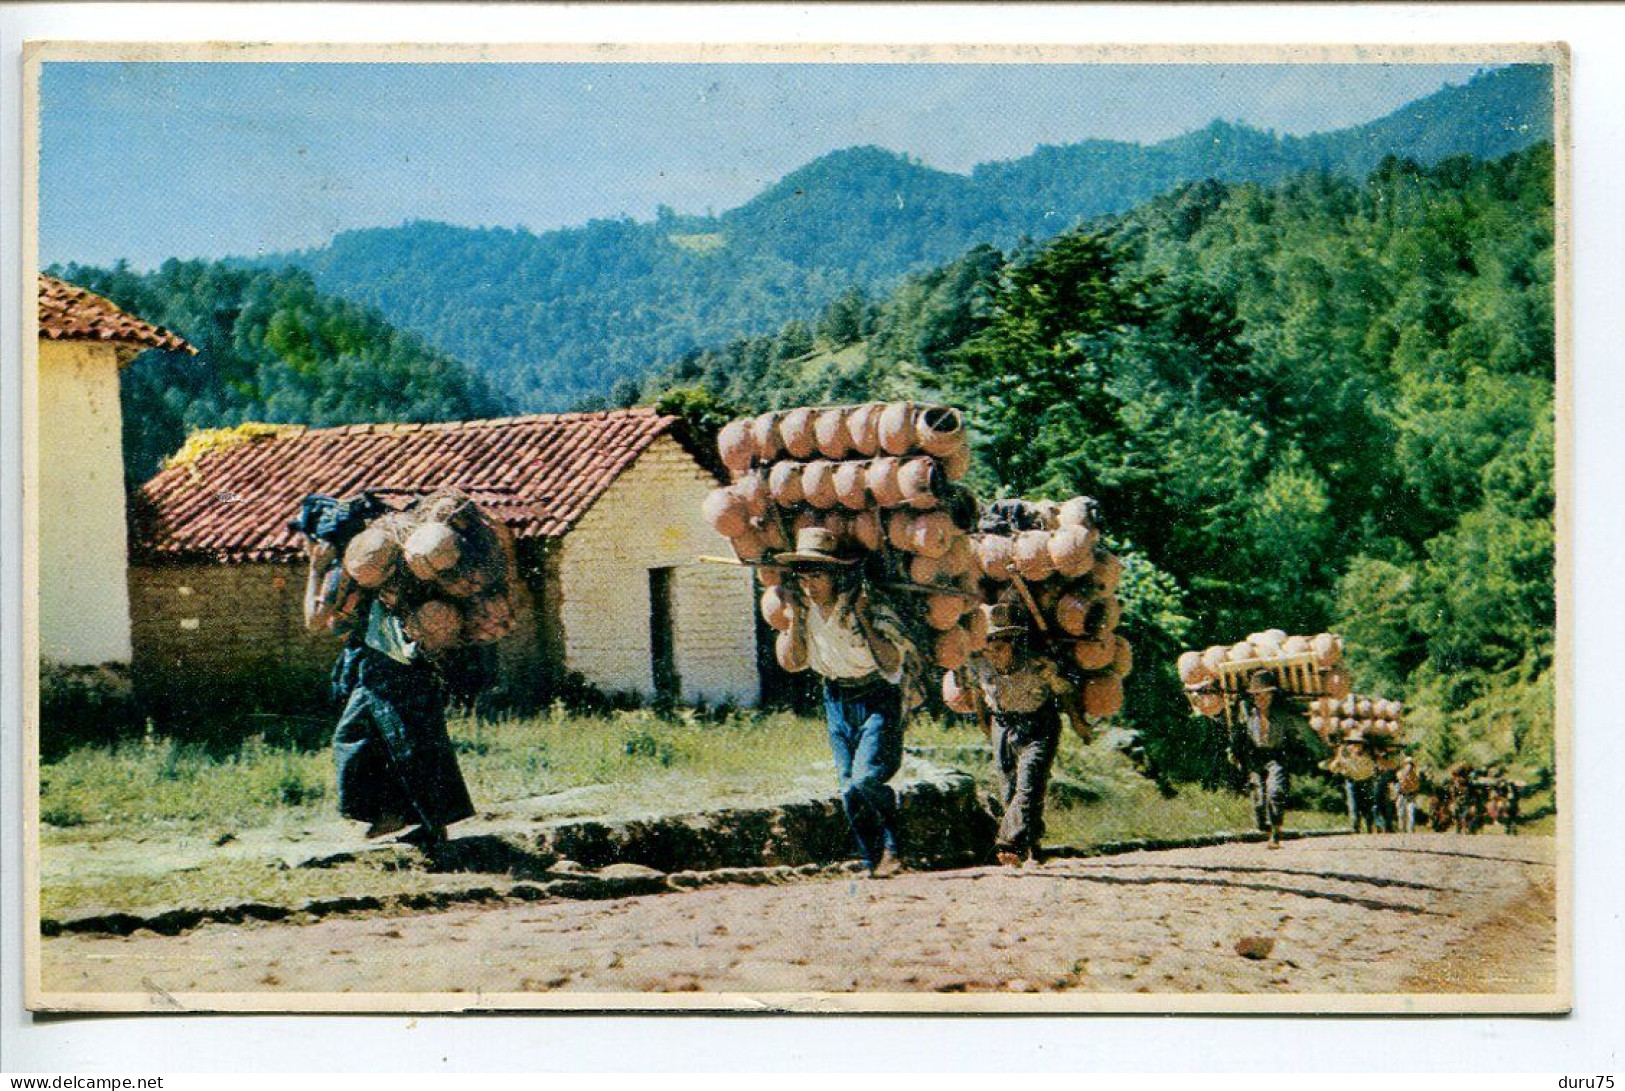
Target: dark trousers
{"type": "Point", "coordinates": [1025, 745]}
{"type": "Point", "coordinates": [866, 738]}
{"type": "Point", "coordinates": [1267, 787]}
{"type": "Point", "coordinates": [391, 748]}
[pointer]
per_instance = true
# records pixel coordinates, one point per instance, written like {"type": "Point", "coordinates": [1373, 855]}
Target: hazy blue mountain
{"type": "Point", "coordinates": [553, 317]}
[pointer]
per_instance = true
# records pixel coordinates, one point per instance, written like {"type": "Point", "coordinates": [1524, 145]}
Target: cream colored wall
{"type": "Point", "coordinates": [650, 518]}
{"type": "Point", "coordinates": [84, 605]}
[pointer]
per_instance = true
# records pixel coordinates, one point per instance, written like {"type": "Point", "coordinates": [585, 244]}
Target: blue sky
{"type": "Point", "coordinates": [149, 161]}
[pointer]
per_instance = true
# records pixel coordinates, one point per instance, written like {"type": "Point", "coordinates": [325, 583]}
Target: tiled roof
{"type": "Point", "coordinates": [69, 313]}
{"type": "Point", "coordinates": [539, 474]}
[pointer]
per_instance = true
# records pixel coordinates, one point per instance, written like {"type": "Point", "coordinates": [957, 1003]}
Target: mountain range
{"type": "Point", "coordinates": [552, 318]}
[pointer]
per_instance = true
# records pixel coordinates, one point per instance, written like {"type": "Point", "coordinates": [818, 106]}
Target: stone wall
{"type": "Point", "coordinates": [650, 518]}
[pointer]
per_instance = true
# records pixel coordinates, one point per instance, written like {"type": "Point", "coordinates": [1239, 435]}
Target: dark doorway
{"type": "Point", "coordinates": [662, 647]}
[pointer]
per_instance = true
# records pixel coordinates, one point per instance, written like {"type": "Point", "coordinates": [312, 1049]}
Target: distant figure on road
{"type": "Point", "coordinates": [1407, 784]}
{"type": "Point", "coordinates": [858, 647]}
{"type": "Point", "coordinates": [1258, 748]}
{"type": "Point", "coordinates": [1025, 695]}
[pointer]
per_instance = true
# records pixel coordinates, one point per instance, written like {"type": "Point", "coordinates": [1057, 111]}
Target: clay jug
{"type": "Point", "coordinates": [1102, 696]}
{"type": "Point", "coordinates": [1072, 551]}
{"type": "Point", "coordinates": [1094, 655]}
{"type": "Point", "coordinates": [851, 485]}
{"type": "Point", "coordinates": [764, 433]}
{"type": "Point", "coordinates": [830, 434]}
{"type": "Point", "coordinates": [866, 529]}
{"type": "Point", "coordinates": [956, 696]}
{"type": "Point", "coordinates": [818, 483]}
{"type": "Point", "coordinates": [951, 649]}
{"type": "Point", "coordinates": [883, 482]}
{"type": "Point", "coordinates": [1078, 512]}
{"type": "Point", "coordinates": [918, 478]}
{"type": "Point", "coordinates": [796, 430]}
{"type": "Point", "coordinates": [725, 511]}
{"type": "Point", "coordinates": [784, 482]}
{"type": "Point", "coordinates": [775, 610]}
{"type": "Point", "coordinates": [939, 429]}
{"type": "Point", "coordinates": [1032, 555]}
{"type": "Point", "coordinates": [942, 612]}
{"type": "Point", "coordinates": [1072, 614]}
{"type": "Point", "coordinates": [736, 446]}
{"type": "Point", "coordinates": [863, 428]}
{"type": "Point", "coordinates": [996, 555]}
{"type": "Point", "coordinates": [1122, 659]}
{"type": "Point", "coordinates": [897, 428]}
{"type": "Point", "coordinates": [753, 489]}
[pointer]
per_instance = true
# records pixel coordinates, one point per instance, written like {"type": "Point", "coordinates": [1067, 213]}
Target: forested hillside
{"type": "Point", "coordinates": [554, 317]}
{"type": "Point", "coordinates": [1319, 404]}
{"type": "Point", "coordinates": [271, 348]}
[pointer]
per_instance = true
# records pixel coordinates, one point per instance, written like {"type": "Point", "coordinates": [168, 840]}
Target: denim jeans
{"type": "Point", "coordinates": [866, 738]}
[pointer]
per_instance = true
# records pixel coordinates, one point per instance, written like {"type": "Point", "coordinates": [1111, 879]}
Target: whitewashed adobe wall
{"type": "Point", "coordinates": [650, 518]}
{"type": "Point", "coordinates": [84, 604]}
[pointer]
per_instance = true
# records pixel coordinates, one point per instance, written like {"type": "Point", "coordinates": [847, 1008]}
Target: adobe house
{"type": "Point", "coordinates": [604, 508]}
{"type": "Point", "coordinates": [84, 608]}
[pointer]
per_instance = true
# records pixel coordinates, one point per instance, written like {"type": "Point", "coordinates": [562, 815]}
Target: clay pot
{"type": "Point", "coordinates": [897, 435]}
{"type": "Point", "coordinates": [1215, 656]}
{"type": "Point", "coordinates": [1122, 659]}
{"type": "Point", "coordinates": [434, 549]}
{"type": "Point", "coordinates": [785, 652]}
{"type": "Point", "coordinates": [924, 570]}
{"type": "Point", "coordinates": [951, 649]}
{"type": "Point", "coordinates": [897, 526]}
{"type": "Point", "coordinates": [939, 429]}
{"type": "Point", "coordinates": [830, 434]}
{"type": "Point", "coordinates": [851, 486]}
{"type": "Point", "coordinates": [1104, 614]}
{"type": "Point", "coordinates": [796, 430]}
{"type": "Point", "coordinates": [488, 619]}
{"type": "Point", "coordinates": [929, 534]}
{"type": "Point", "coordinates": [372, 557]}
{"type": "Point", "coordinates": [863, 428]}
{"type": "Point", "coordinates": [804, 520]}
{"type": "Point", "coordinates": [1239, 652]}
{"type": "Point", "coordinates": [435, 625]}
{"type": "Point", "coordinates": [784, 483]}
{"type": "Point", "coordinates": [724, 510]}
{"type": "Point", "coordinates": [960, 560]}
{"type": "Point", "coordinates": [770, 577]}
{"type": "Point", "coordinates": [1362, 707]}
{"type": "Point", "coordinates": [1048, 513]}
{"type": "Point", "coordinates": [884, 482]}
{"type": "Point", "coordinates": [1208, 703]}
{"type": "Point", "coordinates": [818, 483]}
{"type": "Point", "coordinates": [1072, 551]}
{"type": "Point", "coordinates": [1094, 655]}
{"type": "Point", "coordinates": [837, 523]}
{"type": "Point", "coordinates": [1107, 572]}
{"type": "Point", "coordinates": [996, 555]}
{"type": "Point", "coordinates": [976, 626]}
{"type": "Point", "coordinates": [920, 479]}
{"type": "Point", "coordinates": [1328, 649]}
{"type": "Point", "coordinates": [956, 463]}
{"type": "Point", "coordinates": [1072, 614]}
{"type": "Point", "coordinates": [748, 545]}
{"type": "Point", "coordinates": [1102, 696]}
{"type": "Point", "coordinates": [956, 696]}
{"type": "Point", "coordinates": [867, 531]}
{"type": "Point", "coordinates": [1078, 512]}
{"type": "Point", "coordinates": [775, 610]}
{"type": "Point", "coordinates": [1274, 636]}
{"type": "Point", "coordinates": [754, 490]}
{"type": "Point", "coordinates": [1294, 645]}
{"type": "Point", "coordinates": [764, 434]}
{"type": "Point", "coordinates": [1191, 670]}
{"type": "Point", "coordinates": [1032, 556]}
{"type": "Point", "coordinates": [942, 612]}
{"type": "Point", "coordinates": [736, 446]}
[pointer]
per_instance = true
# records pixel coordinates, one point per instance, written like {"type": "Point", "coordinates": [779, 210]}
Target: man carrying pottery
{"type": "Point", "coordinates": [857, 646]}
{"type": "Point", "coordinates": [1025, 694]}
{"type": "Point", "coordinates": [1258, 747]}
{"type": "Point", "coordinates": [1407, 786]}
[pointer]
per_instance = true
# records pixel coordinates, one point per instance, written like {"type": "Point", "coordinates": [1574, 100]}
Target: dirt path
{"type": "Point", "coordinates": [1433, 913]}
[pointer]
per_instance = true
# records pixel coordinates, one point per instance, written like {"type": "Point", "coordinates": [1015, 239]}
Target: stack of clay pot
{"type": "Point", "coordinates": [1053, 551]}
{"type": "Point", "coordinates": [882, 477]}
{"type": "Point", "coordinates": [1272, 648]}
{"type": "Point", "coordinates": [442, 566]}
{"type": "Point", "coordinates": [1371, 718]}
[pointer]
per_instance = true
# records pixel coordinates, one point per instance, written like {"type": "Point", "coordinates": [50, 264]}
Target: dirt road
{"type": "Point", "coordinates": [1420, 913]}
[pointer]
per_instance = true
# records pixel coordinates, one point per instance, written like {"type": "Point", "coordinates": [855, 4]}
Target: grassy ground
{"type": "Point", "coordinates": [159, 822]}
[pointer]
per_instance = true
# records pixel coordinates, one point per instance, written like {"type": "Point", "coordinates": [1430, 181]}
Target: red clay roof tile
{"type": "Point", "coordinates": [540, 474]}
{"type": "Point", "coordinates": [70, 313]}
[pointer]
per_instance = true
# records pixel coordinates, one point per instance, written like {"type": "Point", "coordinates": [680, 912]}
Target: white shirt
{"type": "Point", "coordinates": [836, 647]}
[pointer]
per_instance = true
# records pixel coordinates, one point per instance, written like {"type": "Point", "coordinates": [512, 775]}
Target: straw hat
{"type": "Point", "coordinates": [815, 546]}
